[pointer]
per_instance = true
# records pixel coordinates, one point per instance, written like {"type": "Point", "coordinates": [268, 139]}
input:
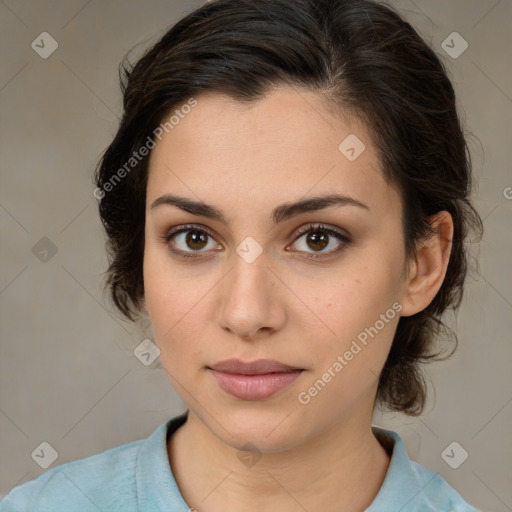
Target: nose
{"type": "Point", "coordinates": [251, 304]}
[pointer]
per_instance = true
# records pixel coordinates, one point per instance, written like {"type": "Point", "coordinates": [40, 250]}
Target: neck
{"type": "Point", "coordinates": [343, 468]}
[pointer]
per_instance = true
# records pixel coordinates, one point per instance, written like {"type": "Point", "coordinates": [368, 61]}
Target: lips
{"type": "Point", "coordinates": [253, 380]}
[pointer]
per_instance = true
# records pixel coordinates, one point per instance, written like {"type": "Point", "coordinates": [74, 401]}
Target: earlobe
{"type": "Point", "coordinates": [427, 271]}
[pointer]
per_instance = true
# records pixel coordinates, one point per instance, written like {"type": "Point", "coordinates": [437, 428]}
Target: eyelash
{"type": "Point", "coordinates": [306, 229]}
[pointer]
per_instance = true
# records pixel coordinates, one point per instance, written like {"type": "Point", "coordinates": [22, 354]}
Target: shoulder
{"type": "Point", "coordinates": [435, 493]}
{"type": "Point", "coordinates": [105, 481]}
{"type": "Point", "coordinates": [410, 487]}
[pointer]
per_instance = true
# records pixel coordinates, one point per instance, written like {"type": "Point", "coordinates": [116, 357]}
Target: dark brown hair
{"type": "Point", "coordinates": [359, 55]}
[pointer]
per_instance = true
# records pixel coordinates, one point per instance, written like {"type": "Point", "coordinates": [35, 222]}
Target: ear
{"type": "Point", "coordinates": [428, 267]}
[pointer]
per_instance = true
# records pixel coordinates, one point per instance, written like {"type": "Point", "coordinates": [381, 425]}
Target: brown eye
{"type": "Point", "coordinates": [317, 240]}
{"type": "Point", "coordinates": [318, 237]}
{"type": "Point", "coordinates": [184, 241]}
{"type": "Point", "coordinates": [196, 239]}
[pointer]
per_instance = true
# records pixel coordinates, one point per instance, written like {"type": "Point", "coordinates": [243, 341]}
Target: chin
{"type": "Point", "coordinates": [269, 429]}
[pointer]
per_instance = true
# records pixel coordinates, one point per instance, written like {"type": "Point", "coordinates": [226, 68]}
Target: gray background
{"type": "Point", "coordinates": [68, 373]}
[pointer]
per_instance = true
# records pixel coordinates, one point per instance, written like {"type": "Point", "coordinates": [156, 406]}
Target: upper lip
{"type": "Point", "coordinates": [258, 367]}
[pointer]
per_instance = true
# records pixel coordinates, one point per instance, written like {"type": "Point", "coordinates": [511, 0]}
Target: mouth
{"type": "Point", "coordinates": [254, 380]}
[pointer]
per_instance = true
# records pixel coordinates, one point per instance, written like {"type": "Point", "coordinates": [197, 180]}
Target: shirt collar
{"type": "Point", "coordinates": [156, 487]}
{"type": "Point", "coordinates": [401, 485]}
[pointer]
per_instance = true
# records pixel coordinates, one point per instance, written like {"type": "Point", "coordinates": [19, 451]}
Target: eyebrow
{"type": "Point", "coordinates": [279, 214]}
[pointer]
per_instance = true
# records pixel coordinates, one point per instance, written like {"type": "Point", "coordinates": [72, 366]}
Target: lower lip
{"type": "Point", "coordinates": [254, 387]}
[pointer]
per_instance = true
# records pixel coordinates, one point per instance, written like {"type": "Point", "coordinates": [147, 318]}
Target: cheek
{"type": "Point", "coordinates": [357, 296]}
{"type": "Point", "coordinates": [346, 366]}
{"type": "Point", "coordinates": [167, 286]}
{"type": "Point", "coordinates": [162, 294]}
{"type": "Point", "coordinates": [339, 304]}
{"type": "Point", "coordinates": [361, 307]}
{"type": "Point", "coordinates": [175, 300]}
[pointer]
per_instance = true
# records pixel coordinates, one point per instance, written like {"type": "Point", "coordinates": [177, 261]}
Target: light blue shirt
{"type": "Point", "coordinates": [136, 477]}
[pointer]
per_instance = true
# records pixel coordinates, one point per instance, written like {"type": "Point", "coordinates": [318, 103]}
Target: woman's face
{"type": "Point", "coordinates": [256, 288]}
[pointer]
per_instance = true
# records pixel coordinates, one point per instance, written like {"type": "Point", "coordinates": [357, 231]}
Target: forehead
{"type": "Point", "coordinates": [286, 145]}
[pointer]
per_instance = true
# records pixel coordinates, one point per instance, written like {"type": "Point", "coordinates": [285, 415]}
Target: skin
{"type": "Point", "coordinates": [246, 160]}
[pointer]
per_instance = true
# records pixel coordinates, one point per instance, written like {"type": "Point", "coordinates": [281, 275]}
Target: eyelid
{"type": "Point", "coordinates": [188, 227]}
{"type": "Point", "coordinates": [322, 227]}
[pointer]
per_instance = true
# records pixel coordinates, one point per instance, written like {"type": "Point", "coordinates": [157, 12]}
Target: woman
{"type": "Point", "coordinates": [286, 199]}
